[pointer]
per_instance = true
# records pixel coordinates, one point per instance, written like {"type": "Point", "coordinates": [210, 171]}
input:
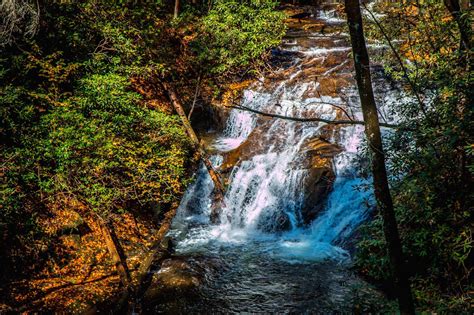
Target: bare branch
{"type": "Point", "coordinates": [312, 119]}
{"type": "Point", "coordinates": [338, 106]}
{"type": "Point", "coordinates": [196, 92]}
{"type": "Point", "coordinates": [18, 18]}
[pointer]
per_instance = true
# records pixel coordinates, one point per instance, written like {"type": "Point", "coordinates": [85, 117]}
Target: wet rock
{"type": "Point", "coordinates": [253, 145]}
{"type": "Point", "coordinates": [176, 277]}
{"type": "Point", "coordinates": [316, 184]}
{"type": "Point", "coordinates": [321, 148]}
{"type": "Point", "coordinates": [274, 221]}
{"type": "Point", "coordinates": [284, 58]}
{"type": "Point", "coordinates": [320, 176]}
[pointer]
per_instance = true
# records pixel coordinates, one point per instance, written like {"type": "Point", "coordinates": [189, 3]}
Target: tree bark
{"type": "Point", "coordinates": [196, 93]}
{"type": "Point", "coordinates": [380, 181]}
{"type": "Point", "coordinates": [128, 301]}
{"type": "Point", "coordinates": [218, 187]}
{"type": "Point", "coordinates": [116, 251]}
{"type": "Point", "coordinates": [464, 25]}
{"type": "Point", "coordinates": [176, 9]}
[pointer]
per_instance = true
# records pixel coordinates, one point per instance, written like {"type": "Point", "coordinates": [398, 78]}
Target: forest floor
{"type": "Point", "coordinates": [78, 272]}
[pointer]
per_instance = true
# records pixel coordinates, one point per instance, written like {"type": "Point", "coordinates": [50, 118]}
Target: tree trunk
{"type": "Point", "coordinates": [128, 301]}
{"type": "Point", "coordinates": [115, 251]}
{"type": "Point", "coordinates": [176, 9]}
{"type": "Point", "coordinates": [372, 131]}
{"type": "Point", "coordinates": [218, 187]}
{"type": "Point", "coordinates": [464, 25]}
{"type": "Point", "coordinates": [153, 255]}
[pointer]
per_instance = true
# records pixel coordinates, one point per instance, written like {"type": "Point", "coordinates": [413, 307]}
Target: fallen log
{"type": "Point", "coordinates": [218, 187]}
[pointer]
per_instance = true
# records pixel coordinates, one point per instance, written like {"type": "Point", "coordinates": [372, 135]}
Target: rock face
{"type": "Point", "coordinates": [271, 221]}
{"type": "Point", "coordinates": [253, 145]}
{"type": "Point", "coordinates": [320, 176]}
{"type": "Point", "coordinates": [317, 185]}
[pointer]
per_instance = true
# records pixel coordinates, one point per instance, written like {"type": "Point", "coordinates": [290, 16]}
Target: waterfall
{"type": "Point", "coordinates": [265, 192]}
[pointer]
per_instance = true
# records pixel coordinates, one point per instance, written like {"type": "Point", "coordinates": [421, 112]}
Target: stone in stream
{"type": "Point", "coordinates": [252, 146]}
{"type": "Point", "coordinates": [176, 277]}
{"type": "Point", "coordinates": [274, 221]}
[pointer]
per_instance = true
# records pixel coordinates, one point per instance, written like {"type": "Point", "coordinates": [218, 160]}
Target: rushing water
{"type": "Point", "coordinates": [249, 263]}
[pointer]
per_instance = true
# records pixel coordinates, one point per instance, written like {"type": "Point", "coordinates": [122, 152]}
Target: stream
{"type": "Point", "coordinates": [294, 196]}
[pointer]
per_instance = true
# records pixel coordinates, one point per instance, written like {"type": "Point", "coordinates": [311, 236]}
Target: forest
{"type": "Point", "coordinates": [236, 156]}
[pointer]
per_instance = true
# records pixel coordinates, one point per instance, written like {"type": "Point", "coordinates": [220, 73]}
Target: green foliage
{"type": "Point", "coordinates": [238, 33]}
{"type": "Point", "coordinates": [431, 179]}
{"type": "Point", "coordinates": [108, 151]}
{"type": "Point", "coordinates": [73, 131]}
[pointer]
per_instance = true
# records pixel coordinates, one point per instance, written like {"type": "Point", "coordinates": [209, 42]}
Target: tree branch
{"type": "Point", "coordinates": [338, 106]}
{"type": "Point", "coordinates": [196, 92]}
{"type": "Point", "coordinates": [313, 119]}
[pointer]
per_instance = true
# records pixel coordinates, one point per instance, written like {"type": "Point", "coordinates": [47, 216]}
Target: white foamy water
{"type": "Point", "coordinates": [266, 189]}
{"type": "Point", "coordinates": [330, 17]}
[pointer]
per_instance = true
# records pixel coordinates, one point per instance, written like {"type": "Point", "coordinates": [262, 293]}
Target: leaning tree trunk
{"type": "Point", "coordinates": [218, 187]}
{"type": "Point", "coordinates": [372, 131]}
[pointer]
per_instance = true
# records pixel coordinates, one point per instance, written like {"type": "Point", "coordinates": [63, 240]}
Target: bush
{"type": "Point", "coordinates": [238, 33]}
{"type": "Point", "coordinates": [109, 152]}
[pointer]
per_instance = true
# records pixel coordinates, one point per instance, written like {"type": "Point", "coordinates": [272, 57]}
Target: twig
{"type": "Point", "coordinates": [399, 59]}
{"type": "Point", "coordinates": [195, 97]}
{"type": "Point", "coordinates": [338, 106]}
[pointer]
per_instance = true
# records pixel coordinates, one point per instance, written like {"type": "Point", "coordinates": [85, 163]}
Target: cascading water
{"type": "Point", "coordinates": [263, 235]}
{"type": "Point", "coordinates": [268, 187]}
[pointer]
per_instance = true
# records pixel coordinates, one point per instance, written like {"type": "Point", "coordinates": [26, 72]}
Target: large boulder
{"type": "Point", "coordinates": [316, 185]}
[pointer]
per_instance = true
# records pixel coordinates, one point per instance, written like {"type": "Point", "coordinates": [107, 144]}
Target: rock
{"type": "Point", "coordinates": [274, 221]}
{"type": "Point", "coordinates": [321, 148]}
{"type": "Point", "coordinates": [316, 158]}
{"type": "Point", "coordinates": [320, 176]}
{"type": "Point", "coordinates": [317, 184]}
{"type": "Point", "coordinates": [176, 277]}
{"type": "Point", "coordinates": [252, 146]}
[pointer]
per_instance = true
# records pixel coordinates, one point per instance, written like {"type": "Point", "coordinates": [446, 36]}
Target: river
{"type": "Point", "coordinates": [294, 195]}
